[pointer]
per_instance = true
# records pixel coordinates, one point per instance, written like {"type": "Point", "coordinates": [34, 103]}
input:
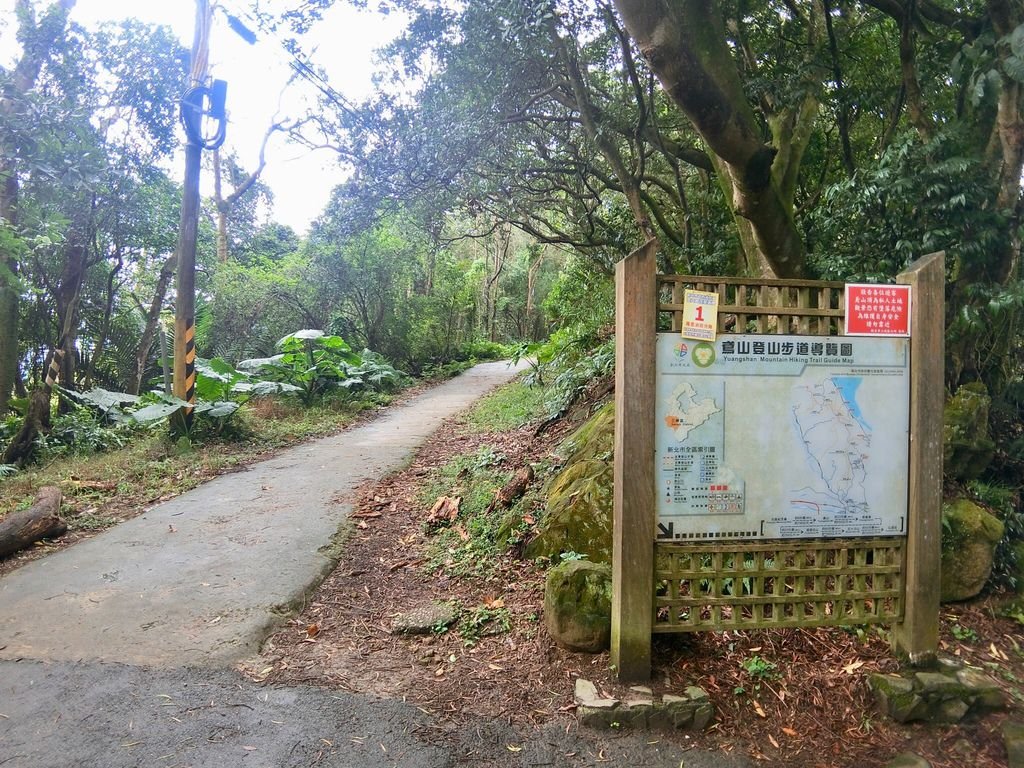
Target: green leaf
{"type": "Point", "coordinates": [264, 388]}
{"type": "Point", "coordinates": [102, 398]}
{"type": "Point", "coordinates": [256, 363]}
{"type": "Point", "coordinates": [1014, 67]}
{"type": "Point", "coordinates": [1017, 41]}
{"type": "Point", "coordinates": [222, 409]}
{"type": "Point", "coordinates": [156, 412]}
{"type": "Point", "coordinates": [306, 333]}
{"type": "Point", "coordinates": [334, 343]}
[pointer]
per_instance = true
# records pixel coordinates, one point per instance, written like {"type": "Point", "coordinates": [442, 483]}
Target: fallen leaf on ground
{"type": "Point", "coordinates": [445, 510]}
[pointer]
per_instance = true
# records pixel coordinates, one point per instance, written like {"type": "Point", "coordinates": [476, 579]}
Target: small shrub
{"type": "Point", "coordinates": [483, 621]}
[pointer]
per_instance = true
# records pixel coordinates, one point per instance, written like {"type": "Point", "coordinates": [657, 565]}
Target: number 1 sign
{"type": "Point", "coordinates": [700, 315]}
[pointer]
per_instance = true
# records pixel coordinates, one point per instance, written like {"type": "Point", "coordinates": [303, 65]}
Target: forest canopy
{"type": "Point", "coordinates": [510, 153]}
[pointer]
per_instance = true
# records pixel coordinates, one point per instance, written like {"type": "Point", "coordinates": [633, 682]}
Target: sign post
{"type": "Point", "coordinates": [917, 636]}
{"type": "Point", "coordinates": [782, 468]}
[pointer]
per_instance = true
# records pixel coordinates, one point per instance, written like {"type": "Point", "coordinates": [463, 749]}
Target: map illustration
{"type": "Point", "coordinates": [782, 437]}
{"type": "Point", "coordinates": [837, 443]}
{"type": "Point", "coordinates": [687, 410]}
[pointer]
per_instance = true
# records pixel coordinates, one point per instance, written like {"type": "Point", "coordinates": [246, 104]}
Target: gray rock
{"type": "Point", "coordinates": [896, 697]}
{"type": "Point", "coordinates": [587, 696]}
{"type": "Point", "coordinates": [889, 684]}
{"type": "Point", "coordinates": [908, 760]}
{"type": "Point", "coordinates": [935, 683]}
{"type": "Point", "coordinates": [970, 535]}
{"type": "Point", "coordinates": [694, 693]}
{"type": "Point", "coordinates": [966, 445]}
{"type": "Point", "coordinates": [948, 665]}
{"type": "Point", "coordinates": [703, 716]}
{"type": "Point", "coordinates": [1013, 738]}
{"type": "Point", "coordinates": [636, 714]}
{"type": "Point", "coordinates": [578, 605]}
{"type": "Point", "coordinates": [951, 711]}
{"type": "Point", "coordinates": [908, 708]}
{"type": "Point", "coordinates": [425, 619]}
{"type": "Point", "coordinates": [678, 709]}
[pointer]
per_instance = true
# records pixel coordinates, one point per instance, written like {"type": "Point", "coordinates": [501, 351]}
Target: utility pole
{"type": "Point", "coordinates": [198, 102]}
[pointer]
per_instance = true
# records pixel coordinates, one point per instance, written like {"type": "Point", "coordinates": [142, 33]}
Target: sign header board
{"type": "Point", "coordinates": [877, 310]}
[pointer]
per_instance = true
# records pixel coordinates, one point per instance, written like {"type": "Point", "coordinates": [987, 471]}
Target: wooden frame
{"type": "Point", "coordinates": [661, 587]}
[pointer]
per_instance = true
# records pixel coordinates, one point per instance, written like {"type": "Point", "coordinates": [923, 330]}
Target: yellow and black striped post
{"type": "Point", "coordinates": [185, 378]}
{"type": "Point", "coordinates": [53, 372]}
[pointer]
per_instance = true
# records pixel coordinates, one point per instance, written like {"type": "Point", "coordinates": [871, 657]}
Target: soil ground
{"type": "Point", "coordinates": [788, 697]}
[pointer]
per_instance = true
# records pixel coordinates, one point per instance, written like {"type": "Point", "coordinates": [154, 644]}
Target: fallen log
{"type": "Point", "coordinates": [513, 489]}
{"type": "Point", "coordinates": [40, 521]}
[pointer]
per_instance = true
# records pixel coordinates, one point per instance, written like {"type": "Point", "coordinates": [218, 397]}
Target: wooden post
{"type": "Point", "coordinates": [633, 531]}
{"type": "Point", "coordinates": [917, 636]}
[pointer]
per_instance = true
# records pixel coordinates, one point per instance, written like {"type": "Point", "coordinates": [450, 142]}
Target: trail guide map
{"type": "Point", "coordinates": [781, 437]}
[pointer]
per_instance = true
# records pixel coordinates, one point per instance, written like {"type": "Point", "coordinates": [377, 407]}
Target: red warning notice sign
{"type": "Point", "coordinates": [877, 310]}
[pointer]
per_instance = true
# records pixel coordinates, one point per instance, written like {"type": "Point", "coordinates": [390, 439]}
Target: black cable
{"type": "Point", "coordinates": [194, 108]}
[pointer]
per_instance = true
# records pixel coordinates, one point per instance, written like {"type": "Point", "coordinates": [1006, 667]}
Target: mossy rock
{"type": "Point", "coordinates": [578, 605]}
{"type": "Point", "coordinates": [578, 514]}
{"type": "Point", "coordinates": [969, 539]}
{"type": "Point", "coordinates": [967, 449]}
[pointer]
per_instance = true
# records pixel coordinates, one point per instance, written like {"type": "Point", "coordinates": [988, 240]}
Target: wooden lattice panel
{"type": "Point", "coordinates": [802, 307]}
{"type": "Point", "coordinates": [748, 585]}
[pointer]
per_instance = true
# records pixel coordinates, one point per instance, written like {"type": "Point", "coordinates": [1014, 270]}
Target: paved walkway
{"type": "Point", "coordinates": [202, 580]}
{"type": "Point", "coordinates": [116, 653]}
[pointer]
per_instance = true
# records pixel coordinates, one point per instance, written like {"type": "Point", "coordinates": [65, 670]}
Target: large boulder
{"type": "Point", "coordinates": [578, 515]}
{"type": "Point", "coordinates": [967, 449]}
{"type": "Point", "coordinates": [578, 605]}
{"type": "Point", "coordinates": [969, 539]}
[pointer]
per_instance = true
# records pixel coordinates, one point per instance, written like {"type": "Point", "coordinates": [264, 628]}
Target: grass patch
{"type": "Point", "coordinates": [509, 407]}
{"type": "Point", "coordinates": [106, 488]}
{"type": "Point", "coordinates": [483, 621]}
{"type": "Point", "coordinates": [470, 546]}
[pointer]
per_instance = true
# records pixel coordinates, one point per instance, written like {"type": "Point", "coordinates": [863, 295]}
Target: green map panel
{"type": "Point", "coordinates": [781, 437]}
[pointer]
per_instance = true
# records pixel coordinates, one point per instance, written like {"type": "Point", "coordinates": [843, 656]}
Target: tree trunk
{"type": "Point", "coordinates": [152, 320]}
{"type": "Point", "coordinates": [40, 521]}
{"type": "Point", "coordinates": [686, 46]}
{"type": "Point", "coordinates": [68, 297]}
{"type": "Point", "coordinates": [108, 312]}
{"type": "Point", "coordinates": [37, 419]}
{"type": "Point", "coordinates": [1006, 17]}
{"type": "Point", "coordinates": [9, 291]}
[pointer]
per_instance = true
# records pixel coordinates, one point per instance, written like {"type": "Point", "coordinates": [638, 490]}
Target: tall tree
{"type": "Point", "coordinates": [38, 37]}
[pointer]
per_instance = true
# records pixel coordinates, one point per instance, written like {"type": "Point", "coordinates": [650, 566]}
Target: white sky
{"type": "Point", "coordinates": [342, 43]}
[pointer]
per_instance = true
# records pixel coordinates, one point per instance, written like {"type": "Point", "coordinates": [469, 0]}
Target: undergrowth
{"type": "Point", "coordinates": [509, 407]}
{"type": "Point", "coordinates": [132, 474]}
{"type": "Point", "coordinates": [470, 545]}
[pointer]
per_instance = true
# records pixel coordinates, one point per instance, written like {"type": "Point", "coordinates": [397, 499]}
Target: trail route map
{"type": "Point", "coordinates": [781, 437]}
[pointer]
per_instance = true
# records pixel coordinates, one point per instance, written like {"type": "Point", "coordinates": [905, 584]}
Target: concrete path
{"type": "Point", "coordinates": [117, 652]}
{"type": "Point", "coordinates": [201, 580]}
